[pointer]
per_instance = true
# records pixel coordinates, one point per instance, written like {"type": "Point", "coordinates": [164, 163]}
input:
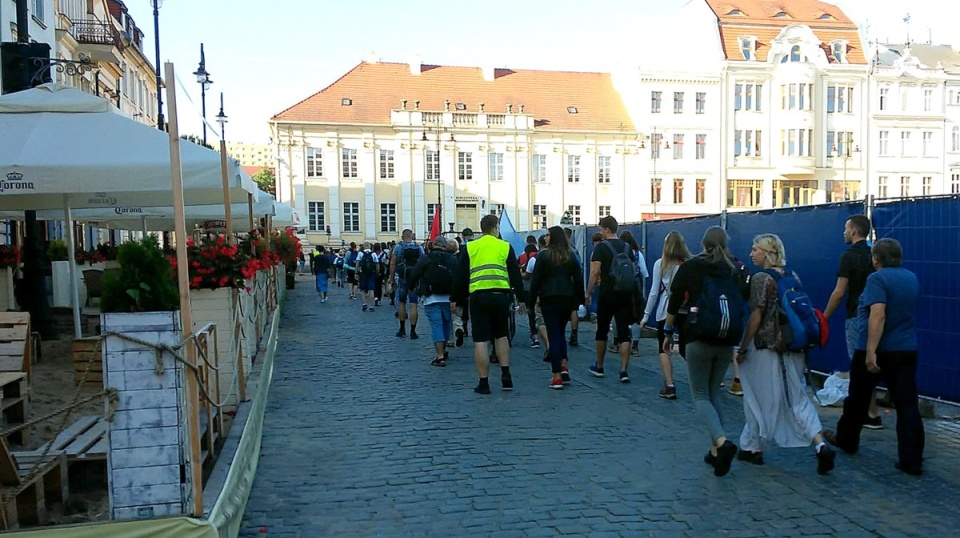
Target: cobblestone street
{"type": "Point", "coordinates": [363, 437]}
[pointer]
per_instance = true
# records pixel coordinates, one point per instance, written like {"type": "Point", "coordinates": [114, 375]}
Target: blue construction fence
{"type": "Point", "coordinates": [927, 228]}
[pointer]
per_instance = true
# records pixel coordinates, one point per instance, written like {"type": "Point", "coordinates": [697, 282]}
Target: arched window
{"type": "Point", "coordinates": [956, 138]}
{"type": "Point", "coordinates": [795, 53]}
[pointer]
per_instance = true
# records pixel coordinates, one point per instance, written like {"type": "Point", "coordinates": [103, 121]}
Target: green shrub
{"type": "Point", "coordinates": [143, 283]}
{"type": "Point", "coordinates": [57, 251]}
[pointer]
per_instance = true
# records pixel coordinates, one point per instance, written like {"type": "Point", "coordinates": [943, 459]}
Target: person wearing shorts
{"type": "Point", "coordinates": [405, 296]}
{"type": "Point", "coordinates": [492, 280]}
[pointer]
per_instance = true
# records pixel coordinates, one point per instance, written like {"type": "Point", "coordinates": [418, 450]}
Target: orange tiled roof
{"type": "Point", "coordinates": [759, 18]}
{"type": "Point", "coordinates": [377, 88]}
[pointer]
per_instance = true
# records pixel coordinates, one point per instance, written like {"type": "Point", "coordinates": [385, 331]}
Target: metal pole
{"type": "Point", "coordinates": [23, 22]}
{"type": "Point", "coordinates": [439, 175]}
{"type": "Point", "coordinates": [74, 287]}
{"type": "Point", "coordinates": [653, 181]}
{"type": "Point", "coordinates": [156, 47]}
{"type": "Point", "coordinates": [203, 109]}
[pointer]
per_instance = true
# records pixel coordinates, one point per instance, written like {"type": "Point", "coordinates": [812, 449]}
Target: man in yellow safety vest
{"type": "Point", "coordinates": [493, 283]}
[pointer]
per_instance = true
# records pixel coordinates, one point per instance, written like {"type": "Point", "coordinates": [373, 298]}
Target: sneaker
{"type": "Point", "coordinates": [874, 423]}
{"type": "Point", "coordinates": [556, 383]}
{"type": "Point", "coordinates": [668, 392]}
{"type": "Point", "coordinates": [370, 309]}
{"type": "Point", "coordinates": [736, 388]}
{"type": "Point", "coordinates": [613, 347]}
{"type": "Point", "coordinates": [401, 333]}
{"type": "Point", "coordinates": [624, 377]}
{"type": "Point", "coordinates": [414, 335]}
{"type": "Point", "coordinates": [459, 337]}
{"type": "Point", "coordinates": [396, 314]}
{"type": "Point", "coordinates": [634, 352]}
{"type": "Point", "coordinates": [912, 471]}
{"type": "Point", "coordinates": [482, 389]}
{"type": "Point", "coordinates": [439, 361]}
{"type": "Point", "coordinates": [710, 459]}
{"type": "Point", "coordinates": [825, 458]}
{"type": "Point", "coordinates": [725, 455]}
{"type": "Point", "coordinates": [597, 372]}
{"type": "Point", "coordinates": [534, 343]}
{"type": "Point", "coordinates": [573, 340]}
{"type": "Point", "coordinates": [364, 309]}
{"type": "Point", "coordinates": [565, 375]}
{"type": "Point", "coordinates": [376, 302]}
{"type": "Point", "coordinates": [755, 458]}
{"type": "Point", "coordinates": [507, 382]}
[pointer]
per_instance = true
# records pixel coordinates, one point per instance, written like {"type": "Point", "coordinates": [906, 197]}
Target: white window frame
{"type": "Point", "coordinates": [573, 169]}
{"type": "Point", "coordinates": [955, 182]}
{"type": "Point", "coordinates": [465, 165]}
{"type": "Point", "coordinates": [656, 101]}
{"type": "Point", "coordinates": [748, 48]}
{"type": "Point", "coordinates": [538, 168]}
{"type": "Point", "coordinates": [387, 164]}
{"type": "Point", "coordinates": [348, 163]}
{"type": "Point", "coordinates": [678, 102]}
{"type": "Point", "coordinates": [927, 143]}
{"type": "Point", "coordinates": [700, 196]}
{"type": "Point", "coordinates": [882, 185]}
{"type": "Point", "coordinates": [540, 216]}
{"type": "Point", "coordinates": [431, 165]}
{"type": "Point", "coordinates": [574, 214]}
{"type": "Point", "coordinates": [927, 185]}
{"type": "Point", "coordinates": [678, 146]}
{"type": "Point", "coordinates": [701, 104]}
{"type": "Point", "coordinates": [351, 217]}
{"type": "Point", "coordinates": [701, 147]}
{"type": "Point", "coordinates": [884, 145]}
{"type": "Point", "coordinates": [603, 168]}
{"type": "Point", "coordinates": [603, 211]}
{"type": "Point", "coordinates": [904, 186]}
{"type": "Point", "coordinates": [928, 100]}
{"type": "Point", "coordinates": [316, 216]}
{"type": "Point", "coordinates": [495, 172]}
{"type": "Point", "coordinates": [678, 190]}
{"type": "Point", "coordinates": [905, 144]}
{"type": "Point", "coordinates": [388, 218]}
{"type": "Point", "coordinates": [314, 162]}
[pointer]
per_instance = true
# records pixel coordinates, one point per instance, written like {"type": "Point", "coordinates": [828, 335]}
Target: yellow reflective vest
{"type": "Point", "coordinates": [488, 264]}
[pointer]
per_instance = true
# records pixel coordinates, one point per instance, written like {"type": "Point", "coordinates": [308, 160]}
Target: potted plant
{"type": "Point", "coordinates": [59, 256]}
{"type": "Point", "coordinates": [140, 305]}
{"type": "Point", "coordinates": [9, 263]}
{"type": "Point", "coordinates": [287, 246]}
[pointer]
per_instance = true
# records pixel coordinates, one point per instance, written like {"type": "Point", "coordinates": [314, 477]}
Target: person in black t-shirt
{"type": "Point", "coordinates": [856, 264]}
{"type": "Point", "coordinates": [610, 305]}
{"type": "Point", "coordinates": [320, 267]}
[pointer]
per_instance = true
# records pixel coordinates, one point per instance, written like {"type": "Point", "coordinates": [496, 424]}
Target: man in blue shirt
{"type": "Point", "coordinates": [886, 351]}
{"type": "Point", "coordinates": [403, 259]}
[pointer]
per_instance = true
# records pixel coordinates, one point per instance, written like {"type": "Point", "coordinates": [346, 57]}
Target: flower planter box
{"type": "Point", "coordinates": [217, 307]}
{"type": "Point", "coordinates": [147, 438]}
{"type": "Point", "coordinates": [85, 352]}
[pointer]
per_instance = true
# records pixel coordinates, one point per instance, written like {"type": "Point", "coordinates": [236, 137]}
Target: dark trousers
{"type": "Point", "coordinates": [898, 370]}
{"type": "Point", "coordinates": [378, 289]}
{"type": "Point", "coordinates": [555, 319]}
{"type": "Point", "coordinates": [531, 314]}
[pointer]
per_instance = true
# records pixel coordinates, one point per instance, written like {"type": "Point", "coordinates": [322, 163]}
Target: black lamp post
{"type": "Point", "coordinates": [203, 78]}
{"type": "Point", "coordinates": [156, 47]}
{"type": "Point", "coordinates": [222, 120]}
{"type": "Point", "coordinates": [439, 130]}
{"type": "Point", "coordinates": [655, 154]}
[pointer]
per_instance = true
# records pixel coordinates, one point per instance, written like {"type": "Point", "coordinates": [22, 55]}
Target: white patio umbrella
{"type": "Point", "coordinates": [62, 148]}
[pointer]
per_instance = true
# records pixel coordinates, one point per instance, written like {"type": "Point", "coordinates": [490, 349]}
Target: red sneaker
{"type": "Point", "coordinates": [565, 375]}
{"type": "Point", "coordinates": [556, 383]}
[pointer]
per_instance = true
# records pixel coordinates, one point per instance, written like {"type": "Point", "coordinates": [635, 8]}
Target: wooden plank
{"type": "Point", "coordinates": [13, 347]}
{"type": "Point", "coordinates": [156, 475]}
{"type": "Point", "coordinates": [97, 451]}
{"type": "Point", "coordinates": [11, 363]}
{"type": "Point", "coordinates": [146, 512]}
{"type": "Point", "coordinates": [136, 458]}
{"type": "Point", "coordinates": [141, 419]}
{"type": "Point", "coordinates": [122, 361]}
{"type": "Point", "coordinates": [147, 399]}
{"type": "Point", "coordinates": [71, 432]}
{"type": "Point", "coordinates": [9, 377]}
{"type": "Point", "coordinates": [8, 467]}
{"type": "Point", "coordinates": [7, 403]}
{"type": "Point", "coordinates": [140, 380]}
{"type": "Point", "coordinates": [15, 332]}
{"type": "Point", "coordinates": [83, 442]}
{"type": "Point", "coordinates": [121, 439]}
{"type": "Point", "coordinates": [14, 318]}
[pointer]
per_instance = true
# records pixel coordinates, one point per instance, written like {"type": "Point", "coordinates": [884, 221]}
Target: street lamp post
{"type": "Point", "coordinates": [227, 213]}
{"type": "Point", "coordinates": [846, 155]}
{"type": "Point", "coordinates": [439, 132]}
{"type": "Point", "coordinates": [654, 154]}
{"type": "Point", "coordinates": [203, 78]}
{"type": "Point", "coordinates": [156, 47]}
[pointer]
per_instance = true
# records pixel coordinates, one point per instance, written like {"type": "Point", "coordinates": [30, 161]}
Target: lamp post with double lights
{"type": "Point", "coordinates": [156, 47]}
{"type": "Point", "coordinates": [438, 130]}
{"type": "Point", "coordinates": [844, 152]}
{"type": "Point", "coordinates": [655, 140]}
{"type": "Point", "coordinates": [227, 210]}
{"type": "Point", "coordinates": [203, 78]}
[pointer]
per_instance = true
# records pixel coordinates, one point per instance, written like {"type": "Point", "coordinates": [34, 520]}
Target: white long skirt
{"type": "Point", "coordinates": [775, 401]}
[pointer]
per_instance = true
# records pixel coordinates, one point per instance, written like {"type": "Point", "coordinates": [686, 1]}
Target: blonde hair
{"type": "Point", "coordinates": [773, 252]}
{"type": "Point", "coordinates": [674, 250]}
{"type": "Point", "coordinates": [453, 246]}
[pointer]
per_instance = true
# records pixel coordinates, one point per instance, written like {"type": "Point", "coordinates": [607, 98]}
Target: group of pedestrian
{"type": "Point", "coordinates": [711, 306]}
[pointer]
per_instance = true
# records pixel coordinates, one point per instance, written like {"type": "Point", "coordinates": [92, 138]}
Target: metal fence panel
{"type": "Point", "coordinates": [929, 231]}
{"type": "Point", "coordinates": [690, 228]}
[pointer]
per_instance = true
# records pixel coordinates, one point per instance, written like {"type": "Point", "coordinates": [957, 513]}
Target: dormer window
{"type": "Point", "coordinates": [346, 101]}
{"type": "Point", "coordinates": [782, 15]}
{"type": "Point", "coordinates": [461, 106]}
{"type": "Point", "coordinates": [572, 110]}
{"type": "Point", "coordinates": [748, 47]}
{"type": "Point", "coordinates": [795, 53]}
{"type": "Point", "coordinates": [827, 17]}
{"type": "Point", "coordinates": [735, 13]}
{"type": "Point", "coordinates": [839, 49]}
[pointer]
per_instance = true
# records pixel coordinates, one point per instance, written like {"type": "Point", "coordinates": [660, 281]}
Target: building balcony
{"type": "Point", "coordinates": [98, 39]}
{"type": "Point", "coordinates": [461, 120]}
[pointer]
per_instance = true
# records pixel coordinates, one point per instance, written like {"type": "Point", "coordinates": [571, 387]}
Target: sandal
{"type": "Point", "coordinates": [439, 361]}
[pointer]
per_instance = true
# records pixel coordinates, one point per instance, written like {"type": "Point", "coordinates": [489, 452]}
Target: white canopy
{"type": "Point", "coordinates": [56, 140]}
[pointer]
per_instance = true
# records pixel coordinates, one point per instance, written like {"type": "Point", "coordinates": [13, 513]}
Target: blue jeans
{"type": "Point", "coordinates": [555, 318]}
{"type": "Point", "coordinates": [322, 282]}
{"type": "Point", "coordinates": [440, 318]}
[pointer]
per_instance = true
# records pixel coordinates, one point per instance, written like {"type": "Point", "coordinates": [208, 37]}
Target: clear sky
{"type": "Point", "coordinates": [266, 56]}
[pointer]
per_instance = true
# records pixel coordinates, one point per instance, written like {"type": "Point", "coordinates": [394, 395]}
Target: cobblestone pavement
{"type": "Point", "coordinates": [364, 438]}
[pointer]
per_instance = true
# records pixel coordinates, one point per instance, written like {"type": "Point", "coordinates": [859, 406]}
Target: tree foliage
{"type": "Point", "coordinates": [266, 180]}
{"type": "Point", "coordinates": [196, 140]}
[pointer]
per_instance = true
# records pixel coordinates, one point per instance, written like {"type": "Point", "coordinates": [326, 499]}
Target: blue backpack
{"type": "Point", "coordinates": [717, 317]}
{"type": "Point", "coordinates": [800, 323]}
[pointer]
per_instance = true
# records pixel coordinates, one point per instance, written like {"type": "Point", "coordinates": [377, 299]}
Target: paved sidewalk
{"type": "Point", "coordinates": [364, 438]}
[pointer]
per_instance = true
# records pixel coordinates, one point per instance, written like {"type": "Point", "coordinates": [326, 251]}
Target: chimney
{"type": "Point", "coordinates": [415, 64]}
{"type": "Point", "coordinates": [489, 73]}
{"type": "Point", "coordinates": [403, 104]}
{"type": "Point", "coordinates": [481, 107]}
{"type": "Point", "coordinates": [521, 108]}
{"type": "Point", "coordinates": [372, 58]}
{"type": "Point", "coordinates": [509, 108]}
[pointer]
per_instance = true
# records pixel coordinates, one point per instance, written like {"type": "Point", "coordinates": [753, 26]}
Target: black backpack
{"type": "Point", "coordinates": [409, 257]}
{"type": "Point", "coordinates": [623, 272]}
{"type": "Point", "coordinates": [368, 265]}
{"type": "Point", "coordinates": [438, 276]}
{"type": "Point", "coordinates": [717, 317]}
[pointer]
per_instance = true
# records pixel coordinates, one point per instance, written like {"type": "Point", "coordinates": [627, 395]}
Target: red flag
{"type": "Point", "coordinates": [435, 227]}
